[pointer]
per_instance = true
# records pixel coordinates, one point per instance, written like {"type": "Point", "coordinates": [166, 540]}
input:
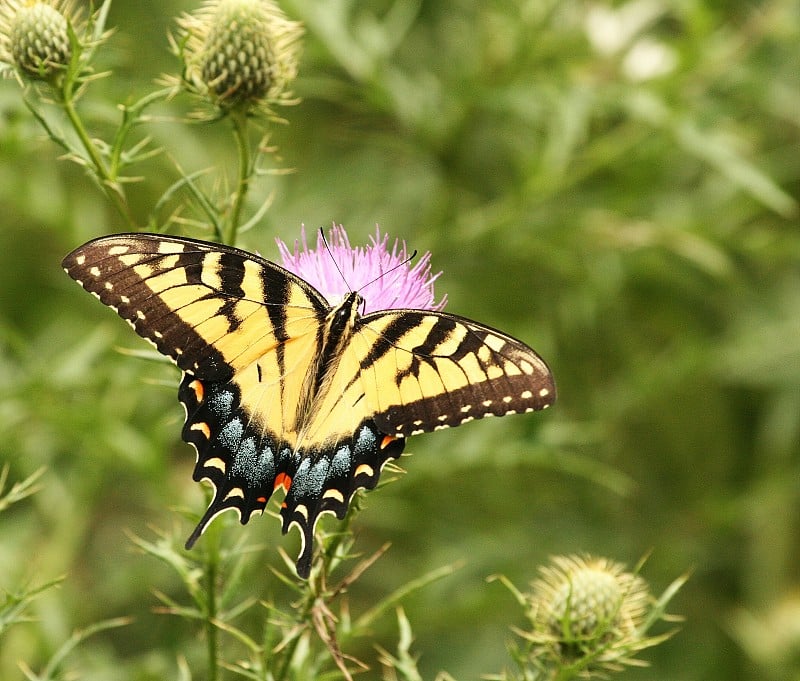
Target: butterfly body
{"type": "Point", "coordinates": [283, 390]}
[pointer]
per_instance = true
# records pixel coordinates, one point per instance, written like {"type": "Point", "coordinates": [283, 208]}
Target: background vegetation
{"type": "Point", "coordinates": [616, 183]}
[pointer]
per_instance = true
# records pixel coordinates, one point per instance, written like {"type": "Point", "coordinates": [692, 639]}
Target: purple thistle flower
{"type": "Point", "coordinates": [364, 269]}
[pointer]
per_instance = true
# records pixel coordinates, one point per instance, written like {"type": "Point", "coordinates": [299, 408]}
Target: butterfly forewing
{"type": "Point", "coordinates": [212, 309]}
{"type": "Point", "coordinates": [424, 371]}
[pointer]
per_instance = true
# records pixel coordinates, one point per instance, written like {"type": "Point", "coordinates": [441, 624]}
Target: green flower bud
{"type": "Point", "coordinates": [34, 37]}
{"type": "Point", "coordinates": [585, 603]}
{"type": "Point", "coordinates": [239, 53]}
{"type": "Point", "coordinates": [588, 611]}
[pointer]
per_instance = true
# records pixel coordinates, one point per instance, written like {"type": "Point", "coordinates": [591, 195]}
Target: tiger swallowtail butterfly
{"type": "Point", "coordinates": [284, 390]}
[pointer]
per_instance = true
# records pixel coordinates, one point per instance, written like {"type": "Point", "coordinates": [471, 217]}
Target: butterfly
{"type": "Point", "coordinates": [283, 390]}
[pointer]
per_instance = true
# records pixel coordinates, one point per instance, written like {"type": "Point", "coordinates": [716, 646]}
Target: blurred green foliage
{"type": "Point", "coordinates": [615, 183]}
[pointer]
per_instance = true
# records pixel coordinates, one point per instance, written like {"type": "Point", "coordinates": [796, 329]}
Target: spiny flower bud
{"type": "Point", "coordinates": [588, 609]}
{"type": "Point", "coordinates": [239, 53]}
{"type": "Point", "coordinates": [588, 600]}
{"type": "Point", "coordinates": [34, 37]}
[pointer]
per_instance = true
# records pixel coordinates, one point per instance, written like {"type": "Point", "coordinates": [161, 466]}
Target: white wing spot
{"type": "Point", "coordinates": [215, 462]}
{"type": "Point", "coordinates": [302, 510]}
{"type": "Point", "coordinates": [443, 417]}
{"type": "Point", "coordinates": [118, 250]}
{"type": "Point", "coordinates": [487, 403]}
{"type": "Point", "coordinates": [526, 395]}
{"type": "Point", "coordinates": [507, 399]}
{"type": "Point", "coordinates": [467, 419]}
{"type": "Point", "coordinates": [178, 351]}
{"type": "Point", "coordinates": [80, 259]}
{"type": "Point", "coordinates": [442, 427]}
{"type": "Point", "coordinates": [235, 492]}
{"type": "Point", "coordinates": [494, 342]}
{"type": "Point", "coordinates": [139, 314]}
{"type": "Point", "coordinates": [333, 494]}
{"type": "Point", "coordinates": [95, 271]}
{"type": "Point", "coordinates": [169, 247]}
{"type": "Point", "coordinates": [416, 423]}
{"type": "Point", "coordinates": [544, 392]}
{"type": "Point", "coordinates": [466, 408]}
{"type": "Point", "coordinates": [109, 286]}
{"type": "Point", "coordinates": [526, 366]}
{"type": "Point", "coordinates": [419, 431]}
{"type": "Point", "coordinates": [124, 299]}
{"type": "Point", "coordinates": [365, 469]}
{"type": "Point", "coordinates": [158, 334]}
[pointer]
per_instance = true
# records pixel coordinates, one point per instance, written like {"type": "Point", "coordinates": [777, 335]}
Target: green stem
{"type": "Point", "coordinates": [107, 182]}
{"type": "Point", "coordinates": [304, 609]}
{"type": "Point", "coordinates": [131, 116]}
{"type": "Point", "coordinates": [311, 590]}
{"type": "Point", "coordinates": [240, 131]}
{"type": "Point", "coordinates": [212, 568]}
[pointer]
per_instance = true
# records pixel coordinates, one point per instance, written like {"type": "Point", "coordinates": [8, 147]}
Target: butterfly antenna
{"type": "Point", "coordinates": [389, 271]}
{"type": "Point", "coordinates": [335, 264]}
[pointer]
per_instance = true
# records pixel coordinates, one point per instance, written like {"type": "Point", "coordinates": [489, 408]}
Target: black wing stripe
{"type": "Point", "coordinates": [387, 340]}
{"type": "Point", "coordinates": [279, 295]}
{"type": "Point", "coordinates": [438, 334]}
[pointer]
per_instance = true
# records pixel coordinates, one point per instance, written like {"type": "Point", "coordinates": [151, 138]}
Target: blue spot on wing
{"type": "Point", "coordinates": [221, 402]}
{"type": "Point", "coordinates": [365, 442]}
{"type": "Point", "coordinates": [246, 461]}
{"type": "Point", "coordinates": [340, 463]}
{"type": "Point", "coordinates": [266, 464]}
{"type": "Point", "coordinates": [231, 434]}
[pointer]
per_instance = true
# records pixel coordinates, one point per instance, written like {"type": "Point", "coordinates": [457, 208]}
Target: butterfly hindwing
{"type": "Point", "coordinates": [246, 463]}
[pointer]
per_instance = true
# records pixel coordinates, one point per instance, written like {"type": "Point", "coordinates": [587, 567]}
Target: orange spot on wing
{"type": "Point", "coordinates": [283, 480]}
{"type": "Point", "coordinates": [199, 390]}
{"type": "Point", "coordinates": [387, 440]}
{"type": "Point", "coordinates": [262, 500]}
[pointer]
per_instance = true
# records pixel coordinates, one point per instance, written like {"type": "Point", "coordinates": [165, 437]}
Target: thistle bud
{"type": "Point", "coordinates": [588, 609]}
{"type": "Point", "coordinates": [584, 602]}
{"type": "Point", "coordinates": [239, 54]}
{"type": "Point", "coordinates": [34, 37]}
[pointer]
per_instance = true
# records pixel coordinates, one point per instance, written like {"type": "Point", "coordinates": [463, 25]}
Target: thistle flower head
{"type": "Point", "coordinates": [382, 276]}
{"type": "Point", "coordinates": [239, 54]}
{"type": "Point", "coordinates": [590, 612]}
{"type": "Point", "coordinates": [34, 37]}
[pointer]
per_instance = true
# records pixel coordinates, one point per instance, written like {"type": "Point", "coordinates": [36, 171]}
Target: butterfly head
{"type": "Point", "coordinates": [345, 314]}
